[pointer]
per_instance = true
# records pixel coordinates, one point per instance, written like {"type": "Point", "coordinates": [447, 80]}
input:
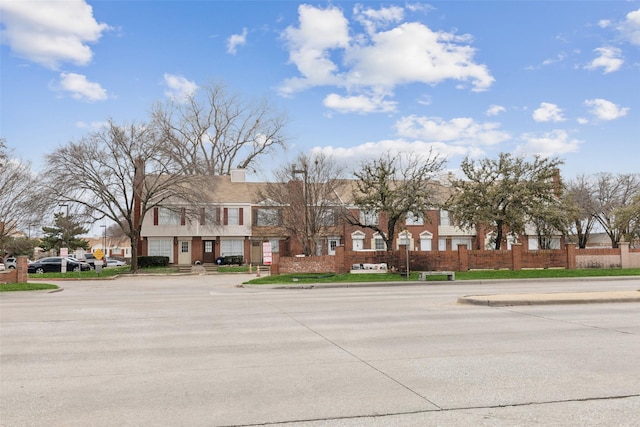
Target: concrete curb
{"type": "Point", "coordinates": [552, 298]}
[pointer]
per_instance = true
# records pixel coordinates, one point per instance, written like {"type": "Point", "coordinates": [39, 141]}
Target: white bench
{"type": "Point", "coordinates": [451, 275]}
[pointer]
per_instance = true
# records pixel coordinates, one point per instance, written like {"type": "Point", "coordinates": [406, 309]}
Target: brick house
{"type": "Point", "coordinates": [240, 221]}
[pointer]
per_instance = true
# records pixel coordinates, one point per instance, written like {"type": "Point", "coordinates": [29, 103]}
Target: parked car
{"type": "Point", "coordinates": [53, 264]}
{"type": "Point", "coordinates": [10, 262]}
{"type": "Point", "coordinates": [2, 267]}
{"type": "Point", "coordinates": [115, 263]}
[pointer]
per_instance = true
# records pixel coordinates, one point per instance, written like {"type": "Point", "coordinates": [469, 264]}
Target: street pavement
{"type": "Point", "coordinates": [209, 351]}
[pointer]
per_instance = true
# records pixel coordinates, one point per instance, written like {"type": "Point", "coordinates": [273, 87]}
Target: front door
{"type": "Point", "coordinates": [256, 252]}
{"type": "Point", "coordinates": [332, 243]}
{"type": "Point", "coordinates": [184, 252]}
{"type": "Point", "coordinates": [208, 255]}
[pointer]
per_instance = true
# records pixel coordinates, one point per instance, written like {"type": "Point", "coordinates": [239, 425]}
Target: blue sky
{"type": "Point", "coordinates": [356, 79]}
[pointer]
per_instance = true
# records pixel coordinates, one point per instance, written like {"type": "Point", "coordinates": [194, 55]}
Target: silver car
{"type": "Point", "coordinates": [10, 262]}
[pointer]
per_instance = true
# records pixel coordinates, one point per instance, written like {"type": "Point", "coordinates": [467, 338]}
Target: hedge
{"type": "Point", "coordinates": [153, 261]}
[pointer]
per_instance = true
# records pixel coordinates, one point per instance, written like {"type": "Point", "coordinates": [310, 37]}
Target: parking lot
{"type": "Point", "coordinates": [202, 351]}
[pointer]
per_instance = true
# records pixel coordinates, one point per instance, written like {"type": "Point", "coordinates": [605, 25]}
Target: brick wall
{"type": "Point", "coordinates": [463, 259]}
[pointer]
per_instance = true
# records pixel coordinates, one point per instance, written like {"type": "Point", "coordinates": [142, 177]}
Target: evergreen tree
{"type": "Point", "coordinates": [64, 234]}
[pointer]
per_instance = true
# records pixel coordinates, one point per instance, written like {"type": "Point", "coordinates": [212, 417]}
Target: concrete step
{"type": "Point", "coordinates": [187, 268]}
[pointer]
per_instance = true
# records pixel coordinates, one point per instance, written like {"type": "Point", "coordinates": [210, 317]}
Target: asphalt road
{"type": "Point", "coordinates": [200, 351]}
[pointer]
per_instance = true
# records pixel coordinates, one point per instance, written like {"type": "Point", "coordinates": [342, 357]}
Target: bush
{"type": "Point", "coordinates": [153, 261]}
{"type": "Point", "coordinates": [233, 259]}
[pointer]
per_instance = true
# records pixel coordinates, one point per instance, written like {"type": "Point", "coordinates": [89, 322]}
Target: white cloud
{"type": "Point", "coordinates": [92, 125]}
{"type": "Point", "coordinates": [325, 53]}
{"type": "Point", "coordinates": [461, 131]}
{"type": "Point", "coordinates": [610, 59]}
{"type": "Point", "coordinates": [358, 104]}
{"type": "Point", "coordinates": [604, 23]}
{"type": "Point", "coordinates": [373, 19]}
{"type": "Point", "coordinates": [372, 150]}
{"type": "Point", "coordinates": [549, 144]}
{"type": "Point", "coordinates": [80, 88]}
{"type": "Point", "coordinates": [50, 32]}
{"type": "Point", "coordinates": [320, 30]}
{"type": "Point", "coordinates": [548, 113]}
{"type": "Point", "coordinates": [494, 110]}
{"type": "Point", "coordinates": [605, 110]}
{"type": "Point", "coordinates": [236, 40]}
{"type": "Point", "coordinates": [630, 27]}
{"type": "Point", "coordinates": [413, 53]}
{"type": "Point", "coordinates": [178, 87]}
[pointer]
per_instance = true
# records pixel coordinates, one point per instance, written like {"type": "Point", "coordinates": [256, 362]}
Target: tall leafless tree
{"type": "Point", "coordinates": [578, 202]}
{"type": "Point", "coordinates": [118, 170]}
{"type": "Point", "coordinates": [308, 194]}
{"type": "Point", "coordinates": [21, 201]}
{"type": "Point", "coordinates": [628, 217]}
{"type": "Point", "coordinates": [395, 186]}
{"type": "Point", "coordinates": [213, 131]}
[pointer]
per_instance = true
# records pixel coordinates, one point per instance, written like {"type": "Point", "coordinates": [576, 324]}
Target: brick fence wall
{"type": "Point", "coordinates": [17, 275]}
{"type": "Point", "coordinates": [464, 259]}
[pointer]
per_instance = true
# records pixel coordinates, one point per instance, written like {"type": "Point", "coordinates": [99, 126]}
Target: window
{"type": "Point", "coordinates": [327, 217]}
{"type": "Point", "coordinates": [184, 247]}
{"type": "Point", "coordinates": [161, 247]}
{"type": "Point", "coordinates": [404, 238]}
{"type": "Point", "coordinates": [233, 216]}
{"type": "Point", "coordinates": [267, 216]}
{"type": "Point", "coordinates": [425, 241]}
{"type": "Point", "coordinates": [275, 246]}
{"type": "Point", "coordinates": [208, 246]}
{"type": "Point", "coordinates": [413, 219]}
{"type": "Point", "coordinates": [444, 218]}
{"type": "Point", "coordinates": [168, 217]}
{"type": "Point", "coordinates": [379, 244]}
{"type": "Point", "coordinates": [369, 217]}
{"type": "Point", "coordinates": [460, 241]}
{"type": "Point", "coordinates": [442, 244]}
{"type": "Point", "coordinates": [357, 240]}
{"type": "Point", "coordinates": [232, 247]}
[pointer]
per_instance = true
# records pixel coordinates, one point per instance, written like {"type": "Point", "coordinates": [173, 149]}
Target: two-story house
{"type": "Point", "coordinates": [239, 221]}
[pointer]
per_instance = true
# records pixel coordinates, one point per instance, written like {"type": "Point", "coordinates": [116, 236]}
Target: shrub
{"type": "Point", "coordinates": [233, 259]}
{"type": "Point", "coordinates": [153, 261]}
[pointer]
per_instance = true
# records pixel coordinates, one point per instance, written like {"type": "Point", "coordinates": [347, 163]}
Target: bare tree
{"type": "Point", "coordinates": [578, 202]}
{"type": "Point", "coordinates": [393, 185]}
{"type": "Point", "coordinates": [213, 131]}
{"type": "Point", "coordinates": [120, 173]}
{"type": "Point", "coordinates": [309, 206]}
{"type": "Point", "coordinates": [628, 218]}
{"type": "Point", "coordinates": [21, 202]}
{"type": "Point", "coordinates": [504, 193]}
{"type": "Point", "coordinates": [611, 194]}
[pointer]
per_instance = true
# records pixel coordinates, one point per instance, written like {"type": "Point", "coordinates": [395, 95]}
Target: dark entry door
{"type": "Point", "coordinates": [208, 255]}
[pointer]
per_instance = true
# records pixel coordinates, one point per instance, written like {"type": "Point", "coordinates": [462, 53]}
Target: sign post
{"type": "Point", "coordinates": [64, 253]}
{"type": "Point", "coordinates": [99, 260]}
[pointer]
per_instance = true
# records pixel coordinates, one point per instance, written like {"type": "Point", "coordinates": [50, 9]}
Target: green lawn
{"type": "Point", "coordinates": [13, 287]}
{"type": "Point", "coordinates": [332, 278]}
{"type": "Point", "coordinates": [465, 275]}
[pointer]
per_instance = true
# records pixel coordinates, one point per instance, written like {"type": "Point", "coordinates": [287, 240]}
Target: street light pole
{"type": "Point", "coordinates": [66, 225]}
{"type": "Point", "coordinates": [104, 239]}
{"type": "Point", "coordinates": [306, 209]}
